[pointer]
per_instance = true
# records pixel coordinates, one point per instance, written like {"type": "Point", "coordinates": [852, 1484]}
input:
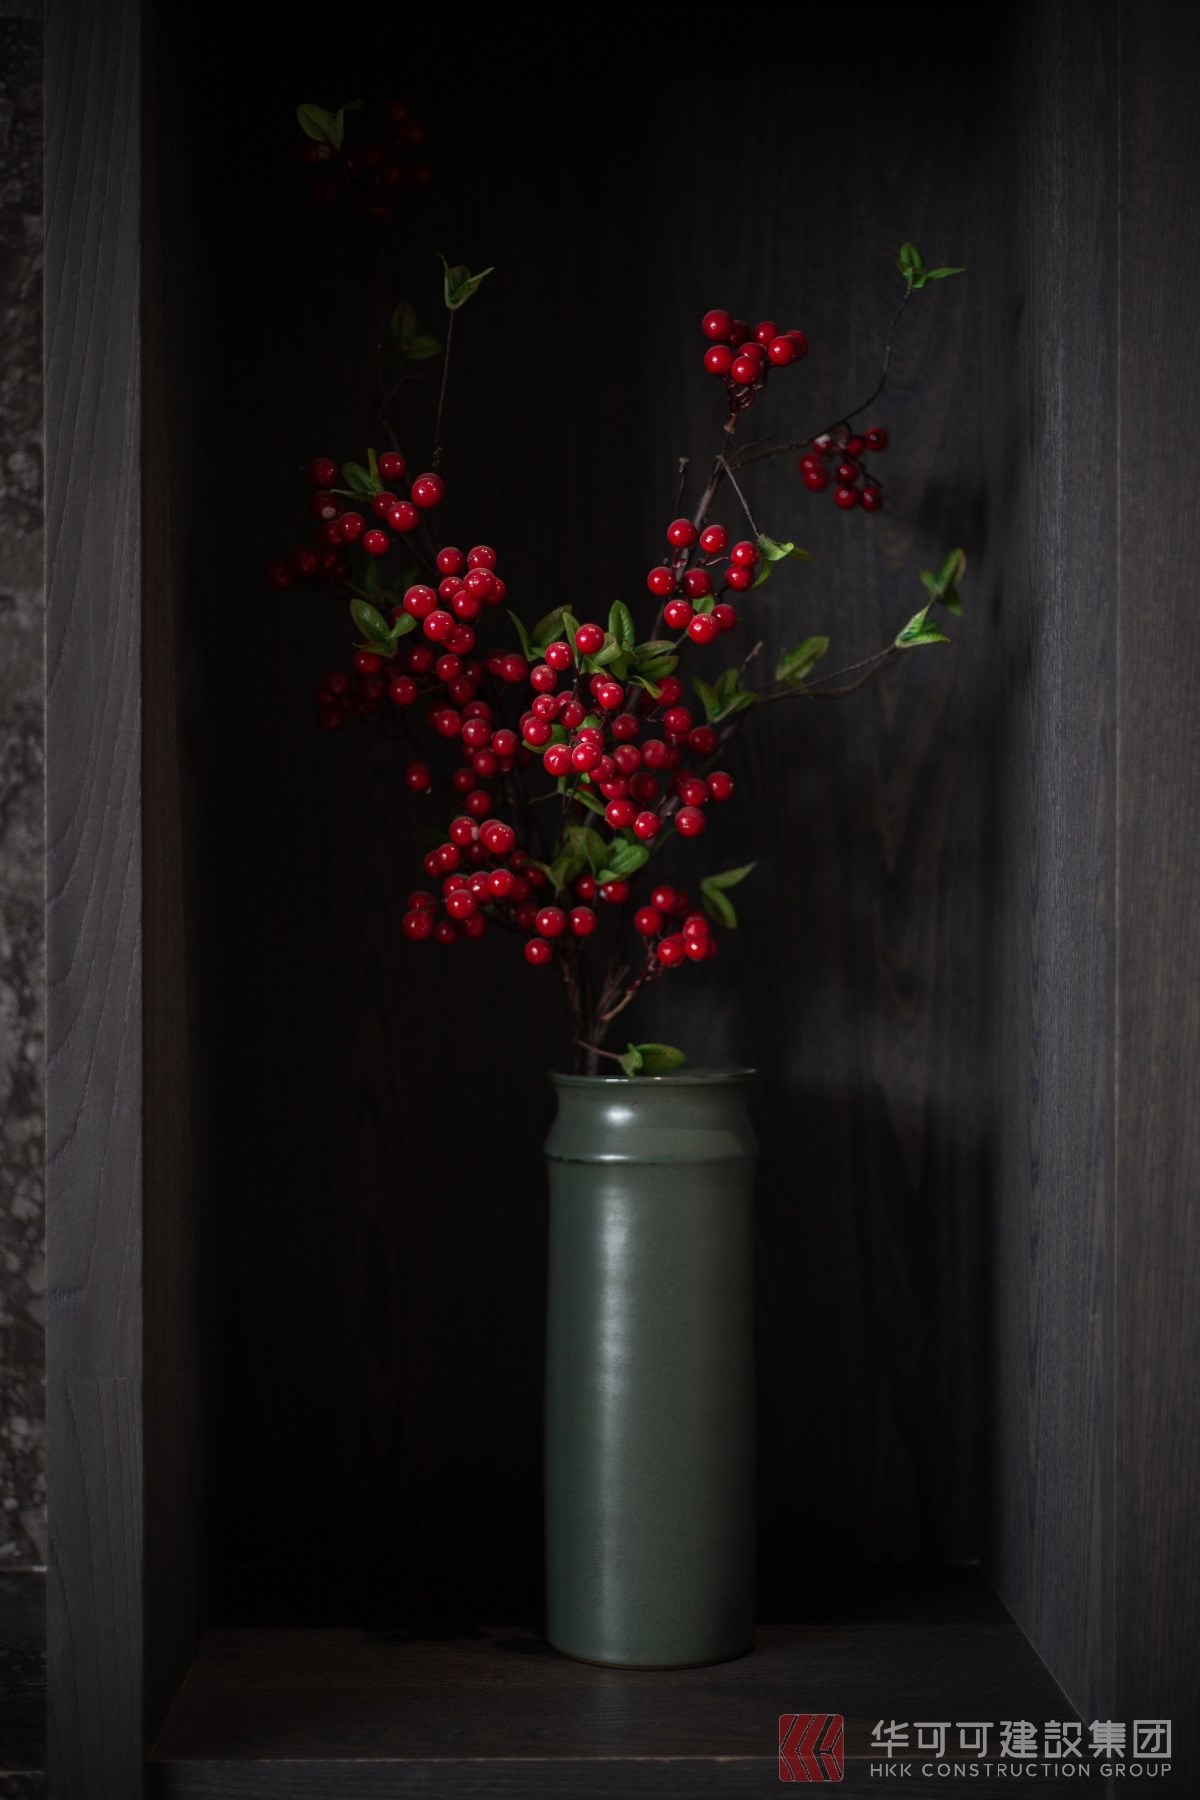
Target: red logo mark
{"type": "Point", "coordinates": [811, 1747]}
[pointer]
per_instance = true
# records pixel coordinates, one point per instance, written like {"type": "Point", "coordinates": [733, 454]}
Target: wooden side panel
{"type": "Point", "coordinates": [94, 1012]}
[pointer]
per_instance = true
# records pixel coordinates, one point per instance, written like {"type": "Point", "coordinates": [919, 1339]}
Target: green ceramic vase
{"type": "Point", "coordinates": [650, 1454]}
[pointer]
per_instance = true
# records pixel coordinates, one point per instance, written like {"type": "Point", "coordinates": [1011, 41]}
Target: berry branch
{"type": "Point", "coordinates": [584, 716]}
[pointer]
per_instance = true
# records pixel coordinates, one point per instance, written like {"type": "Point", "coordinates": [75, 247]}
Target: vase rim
{"type": "Point", "coordinates": [678, 1078]}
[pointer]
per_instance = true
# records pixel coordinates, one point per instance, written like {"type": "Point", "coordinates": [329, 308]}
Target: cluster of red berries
{"type": "Point", "coordinates": [394, 509]}
{"type": "Point", "coordinates": [837, 456]}
{"type": "Point", "coordinates": [744, 357]}
{"type": "Point", "coordinates": [379, 171]}
{"type": "Point", "coordinates": [686, 586]}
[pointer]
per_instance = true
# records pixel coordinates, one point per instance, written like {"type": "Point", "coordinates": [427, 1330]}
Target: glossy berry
{"type": "Point", "coordinates": [620, 813]}
{"type": "Point", "coordinates": [703, 629]}
{"type": "Point", "coordinates": [451, 561]}
{"type": "Point", "coordinates": [375, 543]}
{"type": "Point", "coordinates": [403, 517]}
{"type": "Point", "coordinates": [855, 446]}
{"type": "Point", "coordinates": [322, 471]}
{"type": "Point", "coordinates": [438, 625]}
{"type": "Point", "coordinates": [800, 342]}
{"type": "Point", "coordinates": [681, 533]}
{"type": "Point", "coordinates": [583, 921]}
{"type": "Point", "coordinates": [589, 639]}
{"type": "Point", "coordinates": [551, 922]}
{"type": "Point", "coordinates": [661, 582]}
{"type": "Point", "coordinates": [418, 777]}
{"type": "Point", "coordinates": [557, 760]}
{"type": "Point", "coordinates": [351, 526]}
{"type": "Point", "coordinates": [846, 497]}
{"type": "Point", "coordinates": [616, 893]}
{"type": "Point", "coordinates": [427, 490]}
{"type": "Point", "coordinates": [558, 655]}
{"type": "Point", "coordinates": [766, 333]}
{"type": "Point", "coordinates": [677, 721]}
{"type": "Point", "coordinates": [702, 740]}
{"type": "Point", "coordinates": [877, 438]}
{"type": "Point", "coordinates": [671, 952]}
{"type": "Point", "coordinates": [815, 480]}
{"type": "Point", "coordinates": [745, 370]}
{"type": "Point", "coordinates": [402, 691]}
{"type": "Point", "coordinates": [781, 351]}
{"type": "Point", "coordinates": [717, 324]}
{"type": "Point", "coordinates": [324, 506]}
{"type": "Point", "coordinates": [537, 950]}
{"type": "Point", "coordinates": [713, 540]}
{"type": "Point", "coordinates": [419, 600]}
{"type": "Point", "coordinates": [718, 360]}
{"type": "Point", "coordinates": [678, 614]}
{"type": "Point", "coordinates": [647, 921]}
{"type": "Point", "coordinates": [725, 615]}
{"type": "Point", "coordinates": [720, 785]}
{"type": "Point", "coordinates": [417, 924]}
{"type": "Point", "coordinates": [872, 498]}
{"type": "Point", "coordinates": [689, 821]}
{"type": "Point", "coordinates": [392, 466]}
{"type": "Point", "coordinates": [745, 554]}
{"type": "Point", "coordinates": [697, 583]}
{"type": "Point", "coordinates": [738, 578]}
{"type": "Point", "coordinates": [646, 826]}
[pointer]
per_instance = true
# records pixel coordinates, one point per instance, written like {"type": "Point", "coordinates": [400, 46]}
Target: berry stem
{"type": "Point", "coordinates": [437, 425]}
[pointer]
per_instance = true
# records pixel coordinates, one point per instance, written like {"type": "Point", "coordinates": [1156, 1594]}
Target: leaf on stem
{"type": "Point", "coordinates": [526, 646]}
{"type": "Point", "coordinates": [651, 1059]}
{"type": "Point", "coordinates": [459, 284]}
{"type": "Point", "coordinates": [715, 899]}
{"type": "Point", "coordinates": [623, 858]}
{"type": "Point", "coordinates": [620, 624]}
{"type": "Point", "coordinates": [915, 273]}
{"type": "Point", "coordinates": [776, 552]}
{"type": "Point", "coordinates": [322, 126]}
{"type": "Point", "coordinates": [794, 665]}
{"type": "Point", "coordinates": [373, 626]}
{"type": "Point", "coordinates": [919, 631]}
{"type": "Point", "coordinates": [359, 480]}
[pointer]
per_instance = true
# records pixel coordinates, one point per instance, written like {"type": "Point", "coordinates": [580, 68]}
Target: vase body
{"type": "Point", "coordinates": [650, 1451]}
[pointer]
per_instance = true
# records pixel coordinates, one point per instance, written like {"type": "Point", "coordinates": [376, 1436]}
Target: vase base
{"type": "Point", "coordinates": [647, 1668]}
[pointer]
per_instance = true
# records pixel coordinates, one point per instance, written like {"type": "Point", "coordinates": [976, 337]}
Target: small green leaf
{"type": "Point", "coordinates": [459, 283]}
{"type": "Point", "coordinates": [952, 601]}
{"type": "Point", "coordinates": [738, 703]}
{"type": "Point", "coordinates": [929, 634]}
{"type": "Point", "coordinates": [588, 844]}
{"type": "Point", "coordinates": [941, 274]}
{"type": "Point", "coordinates": [953, 569]}
{"type": "Point", "coordinates": [318, 124]}
{"type": "Point", "coordinates": [729, 877]}
{"type": "Point", "coordinates": [654, 647]}
{"type": "Point", "coordinates": [764, 573]}
{"type": "Point", "coordinates": [620, 624]}
{"type": "Point", "coordinates": [373, 466]}
{"type": "Point", "coordinates": [718, 906]}
{"type": "Point", "coordinates": [371, 623]}
{"type": "Point", "coordinates": [526, 646]}
{"type": "Point", "coordinates": [606, 656]}
{"type": "Point", "coordinates": [775, 552]}
{"type": "Point", "coordinates": [651, 687]}
{"type": "Point", "coordinates": [708, 698]}
{"type": "Point", "coordinates": [623, 858]}
{"type": "Point", "coordinates": [656, 667]}
{"type": "Point", "coordinates": [656, 1059]}
{"type": "Point", "coordinates": [420, 347]}
{"type": "Point", "coordinates": [580, 794]}
{"type": "Point", "coordinates": [359, 480]}
{"type": "Point", "coordinates": [727, 684]}
{"type": "Point", "coordinates": [564, 869]}
{"type": "Point", "coordinates": [547, 629]}
{"type": "Point", "coordinates": [404, 322]}
{"type": "Point", "coordinates": [402, 624]}
{"type": "Point", "coordinates": [631, 1062]}
{"type": "Point", "coordinates": [911, 264]}
{"type": "Point", "coordinates": [795, 664]}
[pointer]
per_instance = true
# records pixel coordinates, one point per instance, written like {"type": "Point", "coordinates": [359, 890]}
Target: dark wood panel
{"type": "Point", "coordinates": [94, 1044]}
{"type": "Point", "coordinates": [1157, 1270]}
{"type": "Point", "coordinates": [22, 1674]}
{"type": "Point", "coordinates": [1047, 1073]}
{"type": "Point", "coordinates": [456, 1713]}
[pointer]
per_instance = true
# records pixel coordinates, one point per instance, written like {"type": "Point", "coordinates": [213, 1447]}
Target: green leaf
{"type": "Point", "coordinates": [623, 858]}
{"type": "Point", "coordinates": [953, 569]}
{"type": "Point", "coordinates": [631, 1062]}
{"type": "Point", "coordinates": [654, 647]}
{"type": "Point", "coordinates": [605, 656]}
{"type": "Point", "coordinates": [526, 646]}
{"type": "Point", "coordinates": [941, 274]}
{"type": "Point", "coordinates": [729, 877]}
{"type": "Point", "coordinates": [913, 629]}
{"type": "Point", "coordinates": [563, 870]}
{"type": "Point", "coordinates": [952, 601]}
{"type": "Point", "coordinates": [371, 623]}
{"type": "Point", "coordinates": [459, 283]}
{"type": "Point", "coordinates": [373, 466]}
{"type": "Point", "coordinates": [718, 906]}
{"type": "Point", "coordinates": [580, 794]}
{"type": "Point", "coordinates": [657, 666]}
{"type": "Point", "coordinates": [373, 580]}
{"type": "Point", "coordinates": [620, 624]}
{"type": "Point", "coordinates": [929, 634]}
{"type": "Point", "coordinates": [704, 603]}
{"type": "Point", "coordinates": [404, 322]}
{"type": "Point", "coordinates": [588, 844]}
{"type": "Point", "coordinates": [657, 1059]}
{"type": "Point", "coordinates": [547, 629]}
{"type": "Point", "coordinates": [359, 480]}
{"type": "Point", "coordinates": [651, 687]}
{"type": "Point", "coordinates": [795, 664]}
{"type": "Point", "coordinates": [764, 574]}
{"type": "Point", "coordinates": [402, 624]}
{"type": "Point", "coordinates": [708, 698]}
{"type": "Point", "coordinates": [420, 347]}
{"type": "Point", "coordinates": [778, 552]}
{"type": "Point", "coordinates": [319, 125]}
{"type": "Point", "coordinates": [911, 265]}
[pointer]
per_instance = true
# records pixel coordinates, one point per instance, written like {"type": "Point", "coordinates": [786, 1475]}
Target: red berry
{"type": "Point", "coordinates": [403, 517]}
{"type": "Point", "coordinates": [848, 473]}
{"type": "Point", "coordinates": [660, 581]}
{"type": "Point", "coordinates": [551, 922]}
{"type": "Point", "coordinates": [646, 826]}
{"type": "Point", "coordinates": [482, 556]}
{"type": "Point", "coordinates": [677, 722]}
{"type": "Point", "coordinates": [392, 466]}
{"type": "Point", "coordinates": [620, 813]}
{"type": "Point", "coordinates": [351, 526]}
{"type": "Point", "coordinates": [678, 614]}
{"type": "Point", "coordinates": [451, 561]}
{"type": "Point", "coordinates": [670, 690]}
{"type": "Point", "coordinates": [815, 480]}
{"type": "Point", "coordinates": [585, 887]}
{"type": "Point", "coordinates": [877, 438]}
{"type": "Point", "coordinates": [872, 498]}
{"type": "Point", "coordinates": [713, 539]}
{"type": "Point", "coordinates": [855, 446]}
{"type": "Point", "coordinates": [461, 903]}
{"type": "Point", "coordinates": [367, 662]}
{"type": "Point", "coordinates": [647, 921]}
{"type": "Point", "coordinates": [725, 615]}
{"type": "Point", "coordinates": [322, 471]}
{"type": "Point", "coordinates": [738, 578]}
{"type": "Point", "coordinates": [766, 333]}
{"type": "Point", "coordinates": [720, 785]}
{"type": "Point", "coordinates": [542, 679]}
{"type": "Point", "coordinates": [692, 791]}
{"type": "Point", "coordinates": [703, 629]}
{"type": "Point", "coordinates": [782, 351]}
{"type": "Point", "coordinates": [478, 802]}
{"type": "Point", "coordinates": [702, 740]}
{"type": "Point", "coordinates": [681, 533]}
{"type": "Point", "coordinates": [498, 837]}
{"type": "Point", "coordinates": [382, 504]}
{"type": "Point", "coordinates": [718, 360]}
{"type": "Point", "coordinates": [537, 950]}
{"type": "Point", "coordinates": [697, 583]}
{"type": "Point", "coordinates": [739, 333]}
{"type": "Point", "coordinates": [610, 695]}
{"type": "Point", "coordinates": [717, 324]}
{"type": "Point", "coordinates": [745, 370]}
{"type": "Point", "coordinates": [583, 921]}
{"type": "Point", "coordinates": [427, 490]}
{"type": "Point", "coordinates": [689, 821]}
{"type": "Point", "coordinates": [418, 777]}
{"type": "Point", "coordinates": [624, 727]}
{"type": "Point", "coordinates": [375, 543]}
{"type": "Point", "coordinates": [745, 554]}
{"type": "Point", "coordinates": [800, 341]}
{"type": "Point", "coordinates": [324, 506]}
{"type": "Point", "coordinates": [846, 497]}
{"type": "Point", "coordinates": [403, 691]}
{"type": "Point", "coordinates": [558, 654]}
{"type": "Point", "coordinates": [671, 952]}
{"type": "Point", "coordinates": [589, 639]}
{"type": "Point", "coordinates": [615, 892]}
{"type": "Point", "coordinates": [438, 625]}
{"type": "Point", "coordinates": [557, 760]}
{"type": "Point", "coordinates": [417, 924]}
{"type": "Point", "coordinates": [419, 600]}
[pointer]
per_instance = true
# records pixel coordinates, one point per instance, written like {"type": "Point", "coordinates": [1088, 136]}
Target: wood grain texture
{"type": "Point", "coordinates": [94, 1045]}
{"type": "Point", "coordinates": [1048, 1076]}
{"type": "Point", "coordinates": [1157, 1264]}
{"type": "Point", "coordinates": [498, 1711]}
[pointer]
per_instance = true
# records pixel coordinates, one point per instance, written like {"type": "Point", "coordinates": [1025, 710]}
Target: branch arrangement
{"type": "Point", "coordinates": [571, 751]}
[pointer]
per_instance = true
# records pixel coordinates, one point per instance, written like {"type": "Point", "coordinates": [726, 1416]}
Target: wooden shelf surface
{"type": "Point", "coordinates": [495, 1711]}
